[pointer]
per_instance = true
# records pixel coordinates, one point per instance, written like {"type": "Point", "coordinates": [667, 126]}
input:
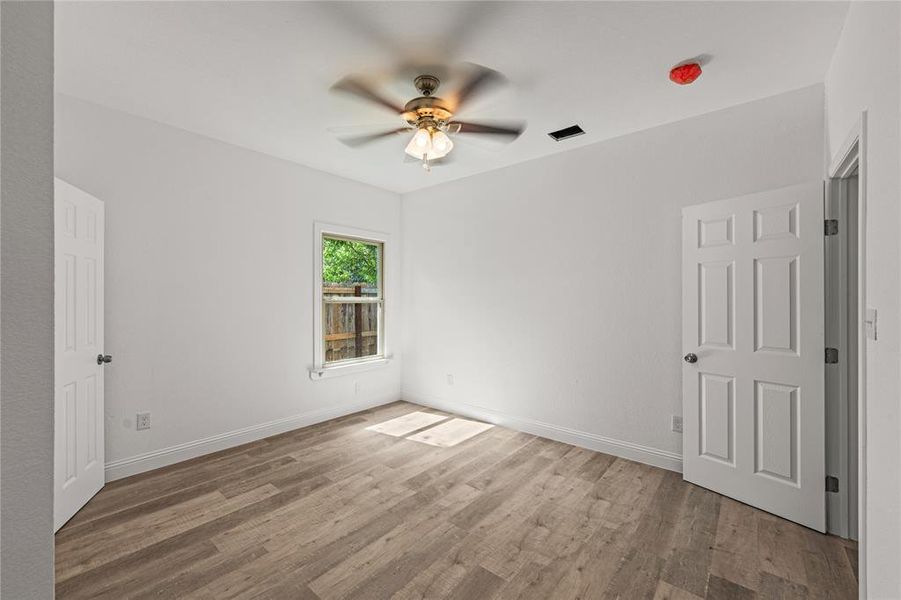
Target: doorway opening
{"type": "Point", "coordinates": [847, 326]}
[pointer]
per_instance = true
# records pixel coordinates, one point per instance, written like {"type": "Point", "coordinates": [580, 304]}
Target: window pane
{"type": "Point", "coordinates": [350, 330]}
{"type": "Point", "coordinates": [350, 267]}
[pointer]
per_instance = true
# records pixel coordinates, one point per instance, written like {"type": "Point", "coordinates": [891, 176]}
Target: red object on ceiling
{"type": "Point", "coordinates": [685, 74]}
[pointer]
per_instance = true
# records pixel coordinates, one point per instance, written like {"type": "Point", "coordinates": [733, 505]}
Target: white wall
{"type": "Point", "coordinates": [26, 308]}
{"type": "Point", "coordinates": [551, 290]}
{"type": "Point", "coordinates": [209, 284]}
{"type": "Point", "coordinates": [864, 75]}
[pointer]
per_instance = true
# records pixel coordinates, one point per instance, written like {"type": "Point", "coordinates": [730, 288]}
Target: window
{"type": "Point", "coordinates": [350, 297]}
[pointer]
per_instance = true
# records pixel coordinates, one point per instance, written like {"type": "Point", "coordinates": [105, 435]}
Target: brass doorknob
{"type": "Point", "coordinates": [691, 358]}
{"type": "Point", "coordinates": [104, 358]}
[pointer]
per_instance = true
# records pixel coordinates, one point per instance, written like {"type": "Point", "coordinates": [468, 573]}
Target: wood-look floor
{"type": "Point", "coordinates": [335, 511]}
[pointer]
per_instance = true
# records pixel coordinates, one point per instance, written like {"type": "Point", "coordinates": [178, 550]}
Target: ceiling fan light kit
{"type": "Point", "coordinates": [430, 117]}
{"type": "Point", "coordinates": [429, 143]}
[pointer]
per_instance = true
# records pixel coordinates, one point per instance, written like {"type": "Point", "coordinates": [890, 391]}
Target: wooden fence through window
{"type": "Point", "coordinates": [351, 329]}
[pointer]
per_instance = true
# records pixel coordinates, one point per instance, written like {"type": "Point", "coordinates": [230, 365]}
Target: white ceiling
{"type": "Point", "coordinates": [257, 74]}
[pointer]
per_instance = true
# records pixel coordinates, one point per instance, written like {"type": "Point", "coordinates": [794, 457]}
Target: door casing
{"type": "Point", "coordinates": [851, 157]}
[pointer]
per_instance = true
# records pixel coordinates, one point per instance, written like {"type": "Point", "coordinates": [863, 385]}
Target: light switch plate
{"type": "Point", "coordinates": [871, 323]}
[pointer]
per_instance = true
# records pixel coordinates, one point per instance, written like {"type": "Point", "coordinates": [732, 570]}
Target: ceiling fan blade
{"type": "Point", "coordinates": [480, 80]}
{"type": "Point", "coordinates": [357, 87]}
{"type": "Point", "coordinates": [509, 130]}
{"type": "Point", "coordinates": [360, 140]}
{"type": "Point", "coordinates": [349, 130]}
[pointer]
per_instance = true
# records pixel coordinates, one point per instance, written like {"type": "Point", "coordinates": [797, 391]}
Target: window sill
{"type": "Point", "coordinates": [348, 369]}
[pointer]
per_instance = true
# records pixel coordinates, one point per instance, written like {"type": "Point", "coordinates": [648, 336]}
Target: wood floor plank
{"type": "Point", "coordinates": [311, 515]}
{"type": "Point", "coordinates": [188, 545]}
{"type": "Point", "coordinates": [95, 549]}
{"type": "Point", "coordinates": [356, 567]}
{"type": "Point", "coordinates": [595, 467]}
{"type": "Point", "coordinates": [666, 591]}
{"type": "Point", "coordinates": [392, 577]}
{"type": "Point", "coordinates": [478, 583]}
{"type": "Point", "coordinates": [309, 554]}
{"type": "Point", "coordinates": [336, 511]}
{"type": "Point", "coordinates": [735, 555]}
{"type": "Point", "coordinates": [776, 588]}
{"type": "Point", "coordinates": [124, 576]}
{"type": "Point", "coordinates": [781, 548]}
{"type": "Point", "coordinates": [288, 588]}
{"type": "Point", "coordinates": [723, 589]}
{"type": "Point", "coordinates": [125, 493]}
{"type": "Point", "coordinates": [660, 524]}
{"type": "Point", "coordinates": [695, 532]}
{"type": "Point", "coordinates": [588, 572]}
{"type": "Point", "coordinates": [469, 459]}
{"type": "Point", "coordinates": [501, 493]}
{"type": "Point", "coordinates": [851, 553]}
{"type": "Point", "coordinates": [183, 580]}
{"type": "Point", "coordinates": [442, 577]}
{"type": "Point", "coordinates": [828, 570]}
{"type": "Point", "coordinates": [546, 522]}
{"type": "Point", "coordinates": [637, 576]}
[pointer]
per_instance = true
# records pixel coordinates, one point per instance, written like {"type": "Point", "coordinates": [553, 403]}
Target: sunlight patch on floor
{"type": "Point", "coordinates": [450, 433]}
{"type": "Point", "coordinates": [407, 424]}
{"type": "Point", "coordinates": [427, 428]}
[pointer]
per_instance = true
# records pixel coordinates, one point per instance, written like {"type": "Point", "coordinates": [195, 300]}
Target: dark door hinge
{"type": "Point", "coordinates": [830, 226]}
{"type": "Point", "coordinates": [831, 483]}
{"type": "Point", "coordinates": [831, 356]}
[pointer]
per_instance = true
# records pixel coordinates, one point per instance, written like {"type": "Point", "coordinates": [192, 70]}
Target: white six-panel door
{"type": "Point", "coordinates": [78, 339]}
{"type": "Point", "coordinates": [752, 313]}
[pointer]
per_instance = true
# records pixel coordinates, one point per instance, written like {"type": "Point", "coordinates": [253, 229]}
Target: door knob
{"type": "Point", "coordinates": [690, 358]}
{"type": "Point", "coordinates": [104, 358]}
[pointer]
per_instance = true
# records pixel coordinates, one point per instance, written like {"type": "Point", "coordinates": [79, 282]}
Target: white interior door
{"type": "Point", "coordinates": [752, 314]}
{"type": "Point", "coordinates": [78, 339]}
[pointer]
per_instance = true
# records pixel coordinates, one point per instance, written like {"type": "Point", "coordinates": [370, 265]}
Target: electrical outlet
{"type": "Point", "coordinates": [450, 379]}
{"type": "Point", "coordinates": [677, 424]}
{"type": "Point", "coordinates": [142, 421]}
{"type": "Point", "coordinates": [357, 388]}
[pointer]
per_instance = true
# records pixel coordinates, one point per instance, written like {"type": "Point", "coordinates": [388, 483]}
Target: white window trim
{"type": "Point", "coordinates": [319, 370]}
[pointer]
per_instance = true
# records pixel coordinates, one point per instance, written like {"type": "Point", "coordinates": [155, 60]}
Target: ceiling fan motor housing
{"type": "Point", "coordinates": [426, 108]}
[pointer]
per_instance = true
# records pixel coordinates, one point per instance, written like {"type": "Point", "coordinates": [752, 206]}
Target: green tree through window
{"type": "Point", "coordinates": [345, 261]}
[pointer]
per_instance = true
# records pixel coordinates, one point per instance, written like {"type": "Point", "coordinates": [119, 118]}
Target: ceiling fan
{"type": "Point", "coordinates": [430, 118]}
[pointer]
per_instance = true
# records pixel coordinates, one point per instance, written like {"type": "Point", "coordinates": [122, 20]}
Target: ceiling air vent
{"type": "Point", "coordinates": [566, 133]}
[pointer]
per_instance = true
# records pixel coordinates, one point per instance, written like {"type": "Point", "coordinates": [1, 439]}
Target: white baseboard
{"type": "Point", "coordinates": [132, 465]}
{"type": "Point", "coordinates": [664, 459]}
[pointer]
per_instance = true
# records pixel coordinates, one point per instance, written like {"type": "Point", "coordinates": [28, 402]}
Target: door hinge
{"type": "Point", "coordinates": [830, 226]}
{"type": "Point", "coordinates": [831, 356]}
{"type": "Point", "coordinates": [831, 483]}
